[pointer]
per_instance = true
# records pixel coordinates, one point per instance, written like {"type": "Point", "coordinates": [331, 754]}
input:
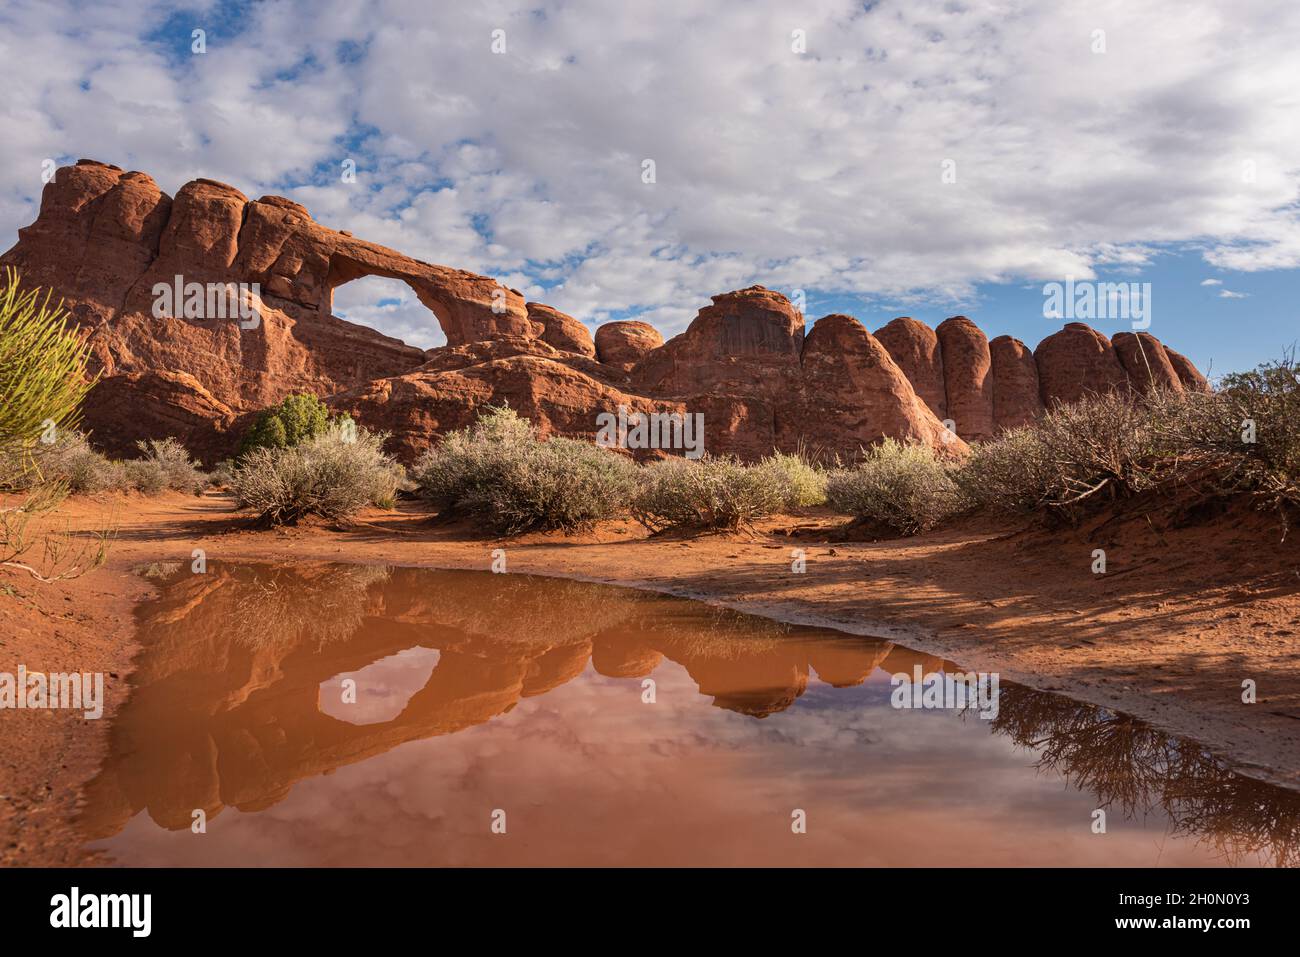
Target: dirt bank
{"type": "Point", "coordinates": [1189, 607]}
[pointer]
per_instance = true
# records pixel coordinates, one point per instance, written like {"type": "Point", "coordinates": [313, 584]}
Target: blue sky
{"type": "Point", "coordinates": [920, 158]}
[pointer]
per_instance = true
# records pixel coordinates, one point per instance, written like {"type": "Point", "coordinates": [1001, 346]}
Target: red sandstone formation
{"type": "Point", "coordinates": [1145, 361]}
{"type": "Point", "coordinates": [558, 392]}
{"type": "Point", "coordinates": [105, 240]}
{"type": "Point", "coordinates": [157, 404]}
{"type": "Point", "coordinates": [966, 377]}
{"type": "Point", "coordinates": [1188, 374]}
{"type": "Point", "coordinates": [914, 347]}
{"type": "Point", "coordinates": [1016, 398]}
{"type": "Point", "coordinates": [624, 344]}
{"type": "Point", "coordinates": [563, 331]}
{"type": "Point", "coordinates": [1077, 361]}
{"type": "Point", "coordinates": [852, 382]}
{"type": "Point", "coordinates": [737, 343]}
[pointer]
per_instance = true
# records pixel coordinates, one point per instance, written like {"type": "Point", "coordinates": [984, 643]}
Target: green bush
{"type": "Point", "coordinates": [802, 483]}
{"type": "Point", "coordinates": [904, 487]}
{"type": "Point", "coordinates": [712, 492]}
{"type": "Point", "coordinates": [498, 472]}
{"type": "Point", "coordinates": [333, 475]}
{"type": "Point", "coordinates": [42, 370]}
{"type": "Point", "coordinates": [295, 420]}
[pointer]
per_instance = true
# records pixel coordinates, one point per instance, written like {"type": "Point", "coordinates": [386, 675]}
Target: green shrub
{"type": "Point", "coordinates": [498, 472]}
{"type": "Point", "coordinates": [295, 420]}
{"type": "Point", "coordinates": [903, 487]}
{"type": "Point", "coordinates": [333, 475]}
{"type": "Point", "coordinates": [707, 493]}
{"type": "Point", "coordinates": [42, 370]}
{"type": "Point", "coordinates": [802, 483]}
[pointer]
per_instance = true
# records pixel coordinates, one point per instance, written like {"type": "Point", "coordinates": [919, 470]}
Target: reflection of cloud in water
{"type": "Point", "coordinates": [541, 714]}
{"type": "Point", "coordinates": [379, 691]}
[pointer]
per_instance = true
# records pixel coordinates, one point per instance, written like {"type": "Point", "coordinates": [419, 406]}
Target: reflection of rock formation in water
{"type": "Point", "coordinates": [1132, 766]}
{"type": "Point", "coordinates": [226, 711]}
{"type": "Point", "coordinates": [225, 705]}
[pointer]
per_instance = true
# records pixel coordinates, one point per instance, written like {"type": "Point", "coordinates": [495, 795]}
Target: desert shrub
{"type": "Point", "coordinates": [466, 460]}
{"type": "Point", "coordinates": [73, 465]}
{"type": "Point", "coordinates": [333, 475]}
{"type": "Point", "coordinates": [1096, 450]}
{"type": "Point", "coordinates": [1252, 425]}
{"type": "Point", "coordinates": [903, 487]}
{"type": "Point", "coordinates": [1008, 474]}
{"type": "Point", "coordinates": [47, 554]}
{"type": "Point", "coordinates": [1242, 438]}
{"type": "Point", "coordinates": [706, 493]}
{"type": "Point", "coordinates": [295, 420]}
{"type": "Point", "coordinates": [498, 472]}
{"type": "Point", "coordinates": [146, 477]}
{"type": "Point", "coordinates": [223, 474]}
{"type": "Point", "coordinates": [42, 369]}
{"type": "Point", "coordinates": [165, 465]}
{"type": "Point", "coordinates": [85, 470]}
{"type": "Point", "coordinates": [69, 461]}
{"type": "Point", "coordinates": [802, 483]}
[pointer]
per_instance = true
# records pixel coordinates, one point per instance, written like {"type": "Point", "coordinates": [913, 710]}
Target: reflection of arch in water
{"type": "Point", "coordinates": [221, 716]}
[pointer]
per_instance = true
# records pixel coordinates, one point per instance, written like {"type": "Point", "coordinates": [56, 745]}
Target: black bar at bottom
{"type": "Point", "coordinates": [215, 906]}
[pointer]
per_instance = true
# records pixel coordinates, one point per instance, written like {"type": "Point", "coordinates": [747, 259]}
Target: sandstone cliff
{"type": "Point", "coordinates": [105, 240]}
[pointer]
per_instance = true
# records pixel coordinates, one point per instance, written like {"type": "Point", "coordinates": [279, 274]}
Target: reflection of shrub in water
{"type": "Point", "coordinates": [519, 609]}
{"type": "Point", "coordinates": [1133, 766]}
{"type": "Point", "coordinates": [281, 605]}
{"type": "Point", "coordinates": [532, 610]}
{"type": "Point", "coordinates": [719, 633]}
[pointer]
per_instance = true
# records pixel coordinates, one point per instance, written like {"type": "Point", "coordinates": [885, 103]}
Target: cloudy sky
{"type": "Point", "coordinates": [920, 158]}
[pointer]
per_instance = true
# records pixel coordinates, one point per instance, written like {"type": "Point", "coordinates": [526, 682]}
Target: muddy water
{"type": "Point", "coordinates": [344, 715]}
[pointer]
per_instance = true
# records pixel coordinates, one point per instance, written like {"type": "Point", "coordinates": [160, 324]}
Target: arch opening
{"type": "Point", "coordinates": [388, 305]}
